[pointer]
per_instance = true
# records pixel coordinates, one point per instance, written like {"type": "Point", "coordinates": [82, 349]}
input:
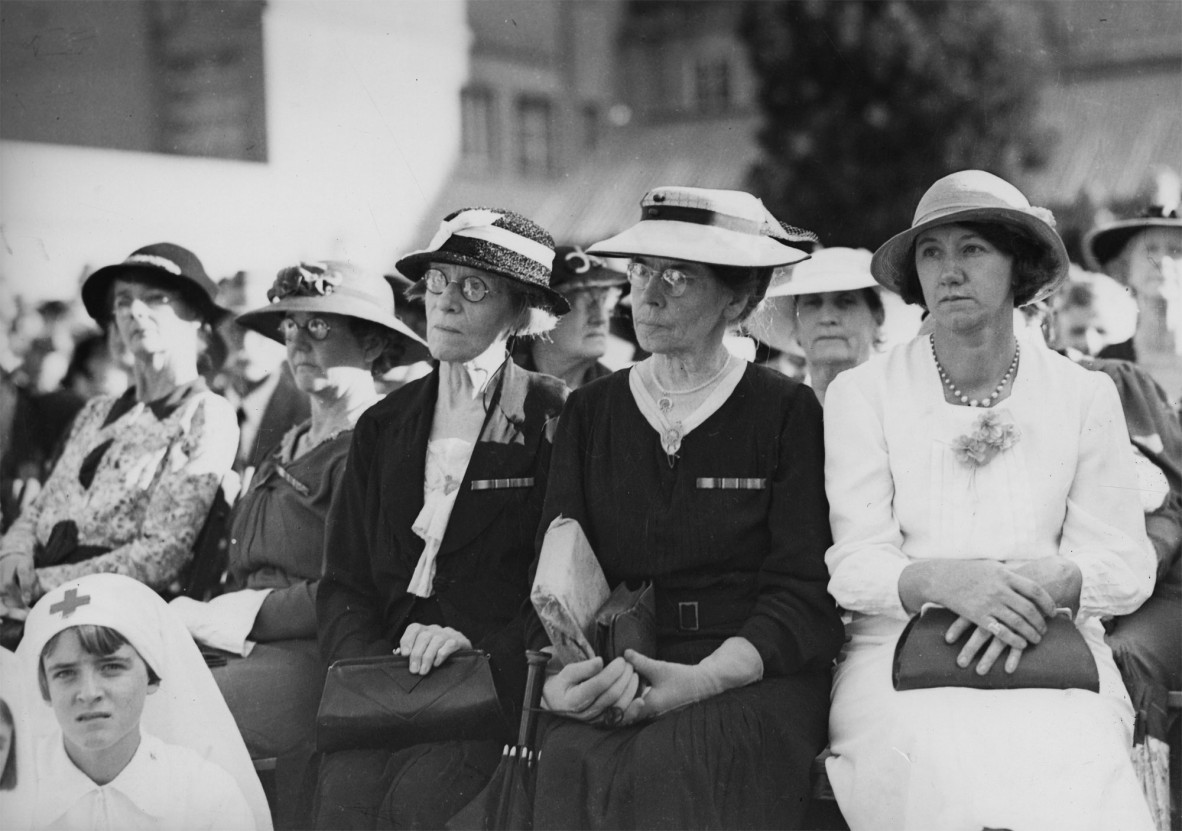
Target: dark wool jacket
{"type": "Point", "coordinates": [481, 580]}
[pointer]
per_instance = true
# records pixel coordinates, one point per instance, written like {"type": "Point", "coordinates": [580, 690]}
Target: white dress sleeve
{"type": "Point", "coordinates": [866, 558]}
{"type": "Point", "coordinates": [1104, 526]}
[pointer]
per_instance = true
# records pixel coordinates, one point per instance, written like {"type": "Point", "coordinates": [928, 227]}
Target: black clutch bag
{"type": "Point", "coordinates": [627, 620]}
{"type": "Point", "coordinates": [379, 703]}
{"type": "Point", "coordinates": [1060, 661]}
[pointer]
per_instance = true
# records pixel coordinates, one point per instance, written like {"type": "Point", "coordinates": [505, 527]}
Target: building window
{"type": "Point", "coordinates": [591, 126]}
{"type": "Point", "coordinates": [711, 83]}
{"type": "Point", "coordinates": [535, 136]}
{"type": "Point", "coordinates": [478, 126]}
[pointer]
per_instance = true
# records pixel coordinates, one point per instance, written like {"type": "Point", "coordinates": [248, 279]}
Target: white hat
{"type": "Point", "coordinates": [830, 269]}
{"type": "Point", "coordinates": [972, 196]}
{"type": "Point", "coordinates": [703, 225]}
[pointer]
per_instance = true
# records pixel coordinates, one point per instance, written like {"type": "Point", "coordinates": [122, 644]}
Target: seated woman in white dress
{"type": "Point", "coordinates": [984, 473]}
{"type": "Point", "coordinates": [133, 733]}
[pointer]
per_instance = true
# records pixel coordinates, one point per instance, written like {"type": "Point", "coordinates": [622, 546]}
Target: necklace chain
{"type": "Point", "coordinates": [990, 399]}
{"type": "Point", "coordinates": [665, 403]}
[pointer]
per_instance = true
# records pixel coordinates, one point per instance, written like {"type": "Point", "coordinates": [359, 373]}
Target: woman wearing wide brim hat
{"type": "Point", "coordinates": [702, 473]}
{"type": "Point", "coordinates": [991, 476]}
{"type": "Point", "coordinates": [432, 535]}
{"type": "Point", "coordinates": [338, 325]}
{"type": "Point", "coordinates": [139, 472]}
{"type": "Point", "coordinates": [835, 311]}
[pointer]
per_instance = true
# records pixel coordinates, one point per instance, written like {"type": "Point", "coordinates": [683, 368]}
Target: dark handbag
{"type": "Point", "coordinates": [1060, 661]}
{"type": "Point", "coordinates": [378, 702]}
{"type": "Point", "coordinates": [627, 620]}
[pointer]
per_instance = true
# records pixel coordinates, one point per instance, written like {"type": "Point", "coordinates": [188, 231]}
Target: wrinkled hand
{"type": "Point", "coordinates": [1005, 604]}
{"type": "Point", "coordinates": [669, 686]}
{"type": "Point", "coordinates": [19, 586]}
{"type": "Point", "coordinates": [586, 690]}
{"type": "Point", "coordinates": [429, 646]}
{"type": "Point", "coordinates": [981, 637]}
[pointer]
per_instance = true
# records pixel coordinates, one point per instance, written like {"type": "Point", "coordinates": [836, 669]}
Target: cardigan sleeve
{"type": "Point", "coordinates": [866, 557]}
{"type": "Point", "coordinates": [179, 504]}
{"type": "Point", "coordinates": [1104, 530]}
{"type": "Point", "coordinates": [348, 608]}
{"type": "Point", "coordinates": [795, 623]}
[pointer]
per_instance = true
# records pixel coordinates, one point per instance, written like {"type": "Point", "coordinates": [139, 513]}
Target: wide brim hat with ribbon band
{"type": "Point", "coordinates": [1103, 244]}
{"type": "Point", "coordinates": [500, 242]}
{"type": "Point", "coordinates": [575, 269]}
{"type": "Point", "coordinates": [972, 196]}
{"type": "Point", "coordinates": [830, 269]}
{"type": "Point", "coordinates": [164, 262]}
{"type": "Point", "coordinates": [703, 225]}
{"type": "Point", "coordinates": [333, 287]}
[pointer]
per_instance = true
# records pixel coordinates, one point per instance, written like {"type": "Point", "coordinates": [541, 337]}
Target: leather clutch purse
{"type": "Point", "coordinates": [378, 702]}
{"type": "Point", "coordinates": [1060, 661]}
{"type": "Point", "coordinates": [627, 620]}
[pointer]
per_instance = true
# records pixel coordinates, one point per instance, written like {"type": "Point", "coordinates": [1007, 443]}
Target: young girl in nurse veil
{"type": "Point", "coordinates": [130, 730]}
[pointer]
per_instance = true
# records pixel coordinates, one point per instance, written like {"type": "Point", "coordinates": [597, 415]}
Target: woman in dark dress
{"type": "Point", "coordinates": [704, 474]}
{"type": "Point", "coordinates": [429, 541]}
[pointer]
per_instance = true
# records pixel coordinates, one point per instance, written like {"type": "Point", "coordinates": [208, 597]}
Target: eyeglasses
{"type": "Point", "coordinates": [472, 287]}
{"type": "Point", "coordinates": [316, 327]}
{"type": "Point", "coordinates": [640, 275]}
{"type": "Point", "coordinates": [152, 299]}
{"type": "Point", "coordinates": [584, 299]}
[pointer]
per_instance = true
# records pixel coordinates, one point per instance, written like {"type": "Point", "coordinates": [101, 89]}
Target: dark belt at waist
{"type": "Point", "coordinates": [685, 613]}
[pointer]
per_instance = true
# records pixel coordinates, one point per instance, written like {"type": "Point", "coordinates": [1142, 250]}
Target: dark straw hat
{"type": "Point", "coordinates": [171, 265]}
{"type": "Point", "coordinates": [497, 241]}
{"type": "Point", "coordinates": [333, 287]}
{"type": "Point", "coordinates": [1103, 244]}
{"type": "Point", "coordinates": [575, 269]}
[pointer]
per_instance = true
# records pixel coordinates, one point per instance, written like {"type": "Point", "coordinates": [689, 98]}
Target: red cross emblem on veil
{"type": "Point", "coordinates": [69, 604]}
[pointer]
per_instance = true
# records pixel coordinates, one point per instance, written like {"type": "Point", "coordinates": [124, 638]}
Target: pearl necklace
{"type": "Point", "coordinates": [665, 402]}
{"type": "Point", "coordinates": [989, 400]}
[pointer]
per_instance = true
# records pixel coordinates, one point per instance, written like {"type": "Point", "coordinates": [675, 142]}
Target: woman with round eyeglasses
{"type": "Point", "coordinates": [338, 325]}
{"type": "Point", "coordinates": [571, 352]}
{"type": "Point", "coordinates": [139, 472]}
{"type": "Point", "coordinates": [432, 535]}
{"type": "Point", "coordinates": [701, 473]}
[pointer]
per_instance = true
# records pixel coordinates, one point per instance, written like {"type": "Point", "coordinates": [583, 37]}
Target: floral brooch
{"type": "Point", "coordinates": [992, 433]}
{"type": "Point", "coordinates": [305, 280]}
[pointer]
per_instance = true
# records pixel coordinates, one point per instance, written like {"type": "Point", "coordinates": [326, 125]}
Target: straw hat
{"type": "Point", "coordinates": [1103, 244]}
{"type": "Point", "coordinates": [716, 227]}
{"type": "Point", "coordinates": [333, 287]}
{"type": "Point", "coordinates": [497, 241]}
{"type": "Point", "coordinates": [165, 262]}
{"type": "Point", "coordinates": [830, 269]}
{"type": "Point", "coordinates": [971, 196]}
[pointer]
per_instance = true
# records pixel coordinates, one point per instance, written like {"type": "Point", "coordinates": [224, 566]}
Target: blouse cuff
{"type": "Point", "coordinates": [1107, 588]}
{"type": "Point", "coordinates": [870, 585]}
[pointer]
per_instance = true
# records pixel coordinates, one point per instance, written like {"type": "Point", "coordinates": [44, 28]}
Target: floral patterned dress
{"type": "Point", "coordinates": [132, 489]}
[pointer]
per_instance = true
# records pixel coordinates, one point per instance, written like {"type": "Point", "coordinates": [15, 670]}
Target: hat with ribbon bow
{"type": "Point", "coordinates": [165, 263]}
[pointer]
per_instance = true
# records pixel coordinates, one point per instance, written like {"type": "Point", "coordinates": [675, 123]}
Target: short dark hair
{"type": "Point", "coordinates": [393, 345]}
{"type": "Point", "coordinates": [1034, 262]}
{"type": "Point", "coordinates": [752, 281]}
{"type": "Point", "coordinates": [96, 640]}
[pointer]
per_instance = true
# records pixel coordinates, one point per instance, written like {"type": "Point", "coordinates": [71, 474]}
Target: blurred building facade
{"type": "Point", "coordinates": [255, 133]}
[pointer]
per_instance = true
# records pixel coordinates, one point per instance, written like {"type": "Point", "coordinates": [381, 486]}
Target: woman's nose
{"type": "Point", "coordinates": [653, 292]}
{"type": "Point", "coordinates": [89, 688]}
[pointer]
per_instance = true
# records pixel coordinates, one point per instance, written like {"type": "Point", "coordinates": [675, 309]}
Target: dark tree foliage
{"type": "Point", "coordinates": [868, 102]}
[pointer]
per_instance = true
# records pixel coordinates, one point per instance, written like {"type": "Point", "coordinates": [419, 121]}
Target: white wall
{"type": "Point", "coordinates": [362, 130]}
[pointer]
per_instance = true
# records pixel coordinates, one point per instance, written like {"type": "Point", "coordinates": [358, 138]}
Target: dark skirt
{"type": "Point", "coordinates": [741, 759]}
{"type": "Point", "coordinates": [417, 787]}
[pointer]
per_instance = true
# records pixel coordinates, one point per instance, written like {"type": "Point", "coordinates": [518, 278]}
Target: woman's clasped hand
{"type": "Point", "coordinates": [428, 647]}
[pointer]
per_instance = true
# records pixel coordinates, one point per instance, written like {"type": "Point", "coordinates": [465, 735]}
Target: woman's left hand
{"type": "Point", "coordinates": [429, 646]}
{"type": "Point", "coordinates": [667, 686]}
{"type": "Point", "coordinates": [978, 639]}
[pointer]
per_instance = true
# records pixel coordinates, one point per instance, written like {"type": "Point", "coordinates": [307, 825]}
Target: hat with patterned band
{"type": "Point", "coordinates": [830, 269]}
{"type": "Point", "coordinates": [1103, 244]}
{"type": "Point", "coordinates": [575, 269]}
{"type": "Point", "coordinates": [716, 227]}
{"type": "Point", "coordinates": [497, 241]}
{"type": "Point", "coordinates": [165, 263]}
{"type": "Point", "coordinates": [333, 287]}
{"type": "Point", "coordinates": [972, 196]}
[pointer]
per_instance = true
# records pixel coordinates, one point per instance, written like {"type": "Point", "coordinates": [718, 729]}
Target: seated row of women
{"type": "Point", "coordinates": [971, 468]}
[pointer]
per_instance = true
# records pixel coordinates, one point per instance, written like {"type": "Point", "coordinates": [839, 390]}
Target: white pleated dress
{"type": "Point", "coordinates": [954, 758]}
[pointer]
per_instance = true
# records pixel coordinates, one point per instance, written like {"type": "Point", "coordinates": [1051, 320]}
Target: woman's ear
{"type": "Point", "coordinates": [735, 307]}
{"type": "Point", "coordinates": [372, 347]}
